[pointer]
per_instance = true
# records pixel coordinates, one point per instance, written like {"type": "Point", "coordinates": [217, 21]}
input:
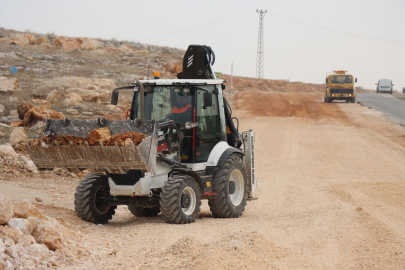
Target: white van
{"type": "Point", "coordinates": [384, 86]}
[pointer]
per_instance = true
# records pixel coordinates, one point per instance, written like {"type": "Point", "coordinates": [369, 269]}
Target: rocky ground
{"type": "Point", "coordinates": [330, 176]}
{"type": "Point", "coordinates": [330, 183]}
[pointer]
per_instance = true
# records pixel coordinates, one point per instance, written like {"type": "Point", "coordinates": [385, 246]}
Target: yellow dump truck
{"type": "Point", "coordinates": [340, 86]}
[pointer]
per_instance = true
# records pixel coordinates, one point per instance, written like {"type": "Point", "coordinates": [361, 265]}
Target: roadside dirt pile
{"type": "Point", "coordinates": [96, 137]}
{"type": "Point", "coordinates": [266, 85]}
{"type": "Point", "coordinates": [29, 239]}
{"type": "Point", "coordinates": [13, 164]}
{"type": "Point", "coordinates": [252, 84]}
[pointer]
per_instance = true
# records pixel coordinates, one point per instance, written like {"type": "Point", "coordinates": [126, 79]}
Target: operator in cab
{"type": "Point", "coordinates": [182, 110]}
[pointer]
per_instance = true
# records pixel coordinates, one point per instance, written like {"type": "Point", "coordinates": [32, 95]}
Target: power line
{"type": "Point", "coordinates": [335, 31]}
{"type": "Point", "coordinates": [260, 46]}
{"type": "Point", "coordinates": [238, 16]}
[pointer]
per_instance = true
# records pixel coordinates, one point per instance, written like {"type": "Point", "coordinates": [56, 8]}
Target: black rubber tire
{"type": "Point", "coordinates": [221, 205]}
{"type": "Point", "coordinates": [85, 199]}
{"type": "Point", "coordinates": [171, 199]}
{"type": "Point", "coordinates": [328, 100]}
{"type": "Point", "coordinates": [391, 92]}
{"type": "Point", "coordinates": [353, 100]}
{"type": "Point", "coordinates": [143, 212]}
{"type": "Point", "coordinates": [347, 101]}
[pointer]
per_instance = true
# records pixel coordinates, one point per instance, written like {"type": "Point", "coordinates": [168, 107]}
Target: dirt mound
{"type": "Point", "coordinates": [299, 105]}
{"type": "Point", "coordinates": [237, 250]}
{"type": "Point", "coordinates": [95, 137]}
{"type": "Point", "coordinates": [253, 84]}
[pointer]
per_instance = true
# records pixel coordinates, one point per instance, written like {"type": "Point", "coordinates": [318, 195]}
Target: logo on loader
{"type": "Point", "coordinates": [190, 61]}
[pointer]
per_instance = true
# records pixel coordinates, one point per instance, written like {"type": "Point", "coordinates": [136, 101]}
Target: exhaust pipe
{"type": "Point", "coordinates": [142, 101]}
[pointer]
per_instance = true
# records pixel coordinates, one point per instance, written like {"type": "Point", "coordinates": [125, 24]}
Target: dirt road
{"type": "Point", "coordinates": [331, 188]}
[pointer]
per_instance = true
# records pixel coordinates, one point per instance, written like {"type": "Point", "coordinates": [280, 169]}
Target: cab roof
{"type": "Point", "coordinates": [180, 82]}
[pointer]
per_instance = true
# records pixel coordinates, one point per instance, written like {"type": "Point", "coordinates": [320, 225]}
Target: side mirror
{"type": "Point", "coordinates": [355, 80]}
{"type": "Point", "coordinates": [207, 99]}
{"type": "Point", "coordinates": [114, 97]}
{"type": "Point", "coordinates": [223, 86]}
{"type": "Point", "coordinates": [326, 81]}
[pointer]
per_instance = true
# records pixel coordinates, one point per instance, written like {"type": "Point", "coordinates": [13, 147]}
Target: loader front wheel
{"type": "Point", "coordinates": [88, 193]}
{"type": "Point", "coordinates": [180, 200]}
{"type": "Point", "coordinates": [230, 184]}
{"type": "Point", "coordinates": [143, 212]}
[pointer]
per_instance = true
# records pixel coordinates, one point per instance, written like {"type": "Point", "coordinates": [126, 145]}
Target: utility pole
{"type": "Point", "coordinates": [232, 76]}
{"type": "Point", "coordinates": [260, 46]}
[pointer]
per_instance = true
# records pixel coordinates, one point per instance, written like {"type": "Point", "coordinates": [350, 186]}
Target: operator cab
{"type": "Point", "coordinates": [188, 104]}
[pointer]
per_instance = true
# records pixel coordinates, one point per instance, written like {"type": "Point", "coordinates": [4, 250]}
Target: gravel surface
{"type": "Point", "coordinates": [331, 183]}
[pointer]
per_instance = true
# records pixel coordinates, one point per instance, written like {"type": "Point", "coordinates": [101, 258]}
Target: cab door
{"type": "Point", "coordinates": [208, 131]}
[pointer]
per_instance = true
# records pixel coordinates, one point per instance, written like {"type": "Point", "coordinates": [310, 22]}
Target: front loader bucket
{"type": "Point", "coordinates": [114, 158]}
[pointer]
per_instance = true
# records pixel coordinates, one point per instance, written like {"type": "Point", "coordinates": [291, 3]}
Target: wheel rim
{"type": "Point", "coordinates": [188, 201]}
{"type": "Point", "coordinates": [99, 193]}
{"type": "Point", "coordinates": [237, 186]}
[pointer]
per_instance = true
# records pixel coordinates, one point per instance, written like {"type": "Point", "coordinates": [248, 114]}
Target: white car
{"type": "Point", "coordinates": [384, 86]}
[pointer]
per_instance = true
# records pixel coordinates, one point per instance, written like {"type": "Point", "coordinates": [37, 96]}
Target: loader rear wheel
{"type": "Point", "coordinates": [180, 200]}
{"type": "Point", "coordinates": [353, 100]}
{"type": "Point", "coordinates": [143, 212]}
{"type": "Point", "coordinates": [230, 184]}
{"type": "Point", "coordinates": [88, 193]}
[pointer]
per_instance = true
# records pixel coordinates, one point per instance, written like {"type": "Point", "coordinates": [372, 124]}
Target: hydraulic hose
{"type": "Point", "coordinates": [142, 99]}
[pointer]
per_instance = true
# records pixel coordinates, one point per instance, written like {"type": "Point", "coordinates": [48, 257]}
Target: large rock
{"type": "Point", "coordinates": [18, 223]}
{"type": "Point", "coordinates": [60, 40]}
{"type": "Point", "coordinates": [60, 84]}
{"type": "Point", "coordinates": [41, 40]}
{"type": "Point", "coordinates": [7, 151]}
{"type": "Point", "coordinates": [32, 223]}
{"type": "Point", "coordinates": [47, 233]}
{"type": "Point", "coordinates": [72, 44]}
{"type": "Point", "coordinates": [42, 104]}
{"type": "Point", "coordinates": [105, 95]}
{"type": "Point", "coordinates": [38, 250]}
{"type": "Point", "coordinates": [6, 209]}
{"type": "Point", "coordinates": [18, 136]}
{"type": "Point", "coordinates": [25, 209]}
{"type": "Point", "coordinates": [86, 95]}
{"type": "Point", "coordinates": [20, 39]}
{"type": "Point", "coordinates": [72, 99]}
{"type": "Point", "coordinates": [12, 233]}
{"type": "Point", "coordinates": [173, 67]}
{"type": "Point", "coordinates": [89, 44]}
{"type": "Point", "coordinates": [105, 84]}
{"type": "Point", "coordinates": [8, 85]}
{"type": "Point", "coordinates": [55, 96]}
{"type": "Point", "coordinates": [31, 114]}
{"type": "Point", "coordinates": [31, 38]}
{"type": "Point", "coordinates": [30, 166]}
{"type": "Point", "coordinates": [26, 240]}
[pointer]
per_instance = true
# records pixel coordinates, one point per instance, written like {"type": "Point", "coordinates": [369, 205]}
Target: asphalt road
{"type": "Point", "coordinates": [386, 103]}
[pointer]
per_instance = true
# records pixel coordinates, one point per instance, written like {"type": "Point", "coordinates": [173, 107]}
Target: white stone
{"type": "Point", "coordinates": [30, 166]}
{"type": "Point", "coordinates": [6, 209]}
{"type": "Point", "coordinates": [18, 136]}
{"type": "Point", "coordinates": [7, 151]}
{"type": "Point", "coordinates": [18, 223]}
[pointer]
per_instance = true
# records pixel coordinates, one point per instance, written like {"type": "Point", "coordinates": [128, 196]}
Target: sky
{"type": "Point", "coordinates": [303, 39]}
